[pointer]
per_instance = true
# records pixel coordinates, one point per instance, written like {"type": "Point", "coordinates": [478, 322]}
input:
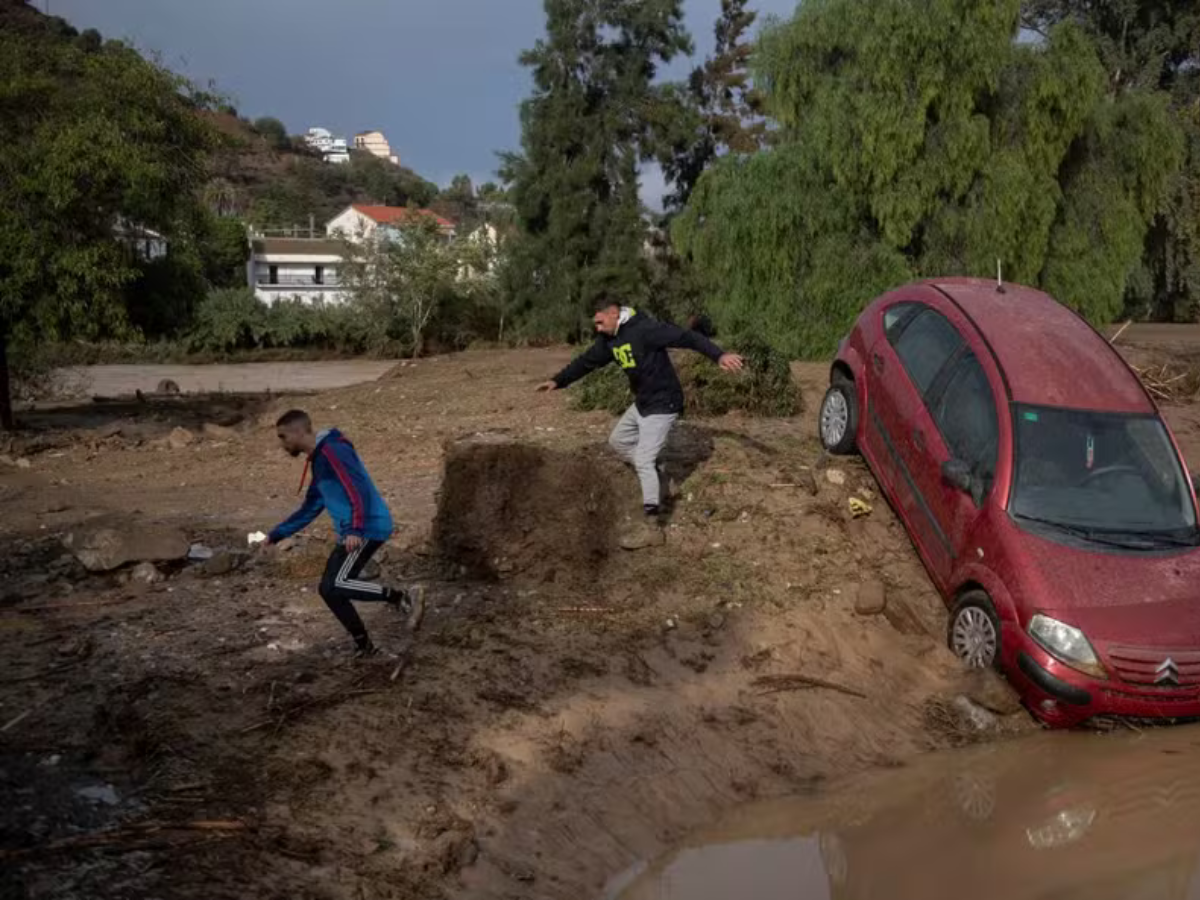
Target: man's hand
{"type": "Point", "coordinates": [353, 542]}
{"type": "Point", "coordinates": [547, 386]}
{"type": "Point", "coordinates": [731, 362]}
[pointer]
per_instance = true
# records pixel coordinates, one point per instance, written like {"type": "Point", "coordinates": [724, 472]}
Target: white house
{"type": "Point", "coordinates": [332, 149]}
{"type": "Point", "coordinates": [376, 144]}
{"type": "Point", "coordinates": [359, 222]}
{"type": "Point", "coordinates": [292, 268]}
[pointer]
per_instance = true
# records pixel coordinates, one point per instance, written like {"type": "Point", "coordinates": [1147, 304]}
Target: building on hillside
{"type": "Point", "coordinates": [146, 243]}
{"type": "Point", "coordinates": [488, 237]}
{"type": "Point", "coordinates": [332, 149]}
{"type": "Point", "coordinates": [360, 222]}
{"type": "Point", "coordinates": [376, 144]}
{"type": "Point", "coordinates": [295, 268]}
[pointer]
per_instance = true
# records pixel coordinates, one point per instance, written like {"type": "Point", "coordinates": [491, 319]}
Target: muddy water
{"type": "Point", "coordinates": [1060, 816]}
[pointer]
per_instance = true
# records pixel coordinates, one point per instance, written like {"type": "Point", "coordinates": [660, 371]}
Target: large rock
{"type": "Point", "coordinates": [219, 432]}
{"type": "Point", "coordinates": [180, 438]}
{"type": "Point", "coordinates": [108, 543]}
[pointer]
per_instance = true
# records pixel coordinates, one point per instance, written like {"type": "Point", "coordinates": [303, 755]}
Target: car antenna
{"type": "Point", "coordinates": [999, 278]}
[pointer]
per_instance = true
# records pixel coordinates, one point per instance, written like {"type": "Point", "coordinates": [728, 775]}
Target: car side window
{"type": "Point", "coordinates": [896, 317]}
{"type": "Point", "coordinates": [965, 414]}
{"type": "Point", "coordinates": [924, 345]}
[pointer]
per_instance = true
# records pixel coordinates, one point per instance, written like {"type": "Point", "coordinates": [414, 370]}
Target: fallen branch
{"type": "Point", "coordinates": [775, 684]}
{"type": "Point", "coordinates": [1120, 331]}
{"type": "Point", "coordinates": [117, 836]}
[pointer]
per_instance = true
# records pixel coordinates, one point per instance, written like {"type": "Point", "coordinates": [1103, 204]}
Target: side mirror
{"type": "Point", "coordinates": [957, 474]}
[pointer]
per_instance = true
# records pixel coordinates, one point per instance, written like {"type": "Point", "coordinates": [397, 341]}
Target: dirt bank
{"type": "Point", "coordinates": [543, 733]}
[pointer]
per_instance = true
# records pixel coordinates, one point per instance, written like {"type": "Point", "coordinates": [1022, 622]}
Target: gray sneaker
{"type": "Point", "coordinates": [411, 603]}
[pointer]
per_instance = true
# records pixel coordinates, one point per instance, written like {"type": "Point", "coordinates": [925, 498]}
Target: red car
{"type": "Point", "coordinates": [1043, 491]}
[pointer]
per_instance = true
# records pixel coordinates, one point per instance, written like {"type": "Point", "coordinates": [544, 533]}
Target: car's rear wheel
{"type": "Point", "coordinates": [974, 632]}
{"type": "Point", "coordinates": [839, 416]}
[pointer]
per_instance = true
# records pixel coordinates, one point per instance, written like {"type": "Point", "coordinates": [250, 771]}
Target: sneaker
{"type": "Point", "coordinates": [643, 535]}
{"type": "Point", "coordinates": [367, 651]}
{"type": "Point", "coordinates": [411, 603]}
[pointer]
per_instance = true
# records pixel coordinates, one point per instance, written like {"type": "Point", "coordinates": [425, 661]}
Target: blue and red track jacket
{"type": "Point", "coordinates": [341, 485]}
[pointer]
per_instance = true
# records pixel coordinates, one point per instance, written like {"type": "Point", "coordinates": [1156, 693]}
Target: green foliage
{"type": "Point", "coordinates": [922, 139]}
{"type": "Point", "coordinates": [764, 388]}
{"type": "Point", "coordinates": [93, 143]}
{"type": "Point", "coordinates": [234, 319]}
{"type": "Point", "coordinates": [273, 132]}
{"type": "Point", "coordinates": [592, 118]}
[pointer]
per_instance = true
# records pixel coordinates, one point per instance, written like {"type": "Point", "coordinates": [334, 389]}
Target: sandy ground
{"type": "Point", "coordinates": [111, 381]}
{"type": "Point", "coordinates": [206, 737]}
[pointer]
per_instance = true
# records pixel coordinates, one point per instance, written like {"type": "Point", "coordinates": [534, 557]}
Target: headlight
{"type": "Point", "coordinates": [1067, 643]}
{"type": "Point", "coordinates": [1066, 827]}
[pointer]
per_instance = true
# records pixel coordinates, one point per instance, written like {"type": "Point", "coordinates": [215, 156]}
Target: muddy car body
{"type": "Point", "coordinates": [1044, 493]}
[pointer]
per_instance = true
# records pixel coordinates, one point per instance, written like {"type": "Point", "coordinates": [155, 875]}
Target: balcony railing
{"type": "Point", "coordinates": [298, 281]}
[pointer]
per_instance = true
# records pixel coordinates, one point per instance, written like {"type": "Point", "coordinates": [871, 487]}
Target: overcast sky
{"type": "Point", "coordinates": [439, 77]}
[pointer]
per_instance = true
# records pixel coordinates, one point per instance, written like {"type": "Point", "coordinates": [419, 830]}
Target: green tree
{"type": "Point", "coordinates": [273, 132]}
{"type": "Point", "coordinates": [91, 144]}
{"type": "Point", "coordinates": [403, 276]}
{"type": "Point", "coordinates": [924, 139]}
{"type": "Point", "coordinates": [728, 110]}
{"type": "Point", "coordinates": [592, 118]}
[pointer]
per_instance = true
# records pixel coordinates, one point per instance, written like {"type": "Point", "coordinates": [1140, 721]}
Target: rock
{"type": "Point", "coordinates": [221, 564]}
{"type": "Point", "coordinates": [974, 715]}
{"type": "Point", "coordinates": [146, 573]}
{"type": "Point", "coordinates": [219, 432]}
{"type": "Point", "coordinates": [988, 689]}
{"type": "Point", "coordinates": [101, 793]}
{"type": "Point", "coordinates": [104, 432]}
{"type": "Point", "coordinates": [167, 386]}
{"type": "Point", "coordinates": [835, 477]}
{"type": "Point", "coordinates": [871, 599]}
{"type": "Point", "coordinates": [23, 463]}
{"type": "Point", "coordinates": [180, 438]}
{"type": "Point", "coordinates": [199, 553]}
{"type": "Point", "coordinates": [903, 617]}
{"type": "Point", "coordinates": [108, 543]}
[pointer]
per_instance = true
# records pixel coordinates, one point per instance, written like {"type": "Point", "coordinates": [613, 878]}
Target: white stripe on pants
{"type": "Point", "coordinates": [638, 440]}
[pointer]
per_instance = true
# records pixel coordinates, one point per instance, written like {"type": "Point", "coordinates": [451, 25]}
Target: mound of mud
{"type": "Point", "coordinates": [509, 509]}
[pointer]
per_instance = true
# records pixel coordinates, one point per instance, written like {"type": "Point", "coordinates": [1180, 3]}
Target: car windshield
{"type": "Point", "coordinates": [1100, 474]}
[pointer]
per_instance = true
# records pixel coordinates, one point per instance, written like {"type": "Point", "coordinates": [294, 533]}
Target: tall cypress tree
{"type": "Point", "coordinates": [585, 130]}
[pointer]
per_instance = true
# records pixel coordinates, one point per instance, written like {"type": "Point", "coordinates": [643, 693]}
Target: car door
{"type": "Point", "coordinates": [904, 368]}
{"type": "Point", "coordinates": [966, 427]}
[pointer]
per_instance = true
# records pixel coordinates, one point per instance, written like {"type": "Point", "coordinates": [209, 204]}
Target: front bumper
{"type": "Point", "coordinates": [1063, 697]}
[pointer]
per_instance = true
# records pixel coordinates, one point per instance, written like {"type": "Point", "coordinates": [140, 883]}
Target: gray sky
{"type": "Point", "coordinates": [439, 77]}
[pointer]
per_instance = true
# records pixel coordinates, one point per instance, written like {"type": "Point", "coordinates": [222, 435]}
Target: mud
{"type": "Point", "coordinates": [534, 739]}
{"type": "Point", "coordinates": [508, 509]}
{"type": "Point", "coordinates": [1064, 815]}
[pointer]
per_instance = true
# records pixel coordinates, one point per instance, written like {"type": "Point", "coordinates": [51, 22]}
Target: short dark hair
{"type": "Point", "coordinates": [604, 302]}
{"type": "Point", "coordinates": [294, 417]}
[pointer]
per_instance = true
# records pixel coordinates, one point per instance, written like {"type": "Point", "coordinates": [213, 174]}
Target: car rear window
{"type": "Point", "coordinates": [924, 345]}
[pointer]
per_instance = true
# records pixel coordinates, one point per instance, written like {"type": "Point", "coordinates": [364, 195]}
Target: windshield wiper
{"type": "Point", "coordinates": [1133, 540]}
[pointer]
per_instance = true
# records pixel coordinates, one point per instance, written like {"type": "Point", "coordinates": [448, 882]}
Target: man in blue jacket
{"type": "Point", "coordinates": [341, 485]}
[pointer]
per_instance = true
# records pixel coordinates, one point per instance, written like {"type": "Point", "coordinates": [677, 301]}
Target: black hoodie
{"type": "Point", "coordinates": [640, 348]}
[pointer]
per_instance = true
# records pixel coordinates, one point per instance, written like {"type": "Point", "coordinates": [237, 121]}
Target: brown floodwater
{"type": "Point", "coordinates": [1064, 816]}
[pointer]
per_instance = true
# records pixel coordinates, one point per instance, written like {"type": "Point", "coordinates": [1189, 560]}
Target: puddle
{"type": "Point", "coordinates": [1056, 816]}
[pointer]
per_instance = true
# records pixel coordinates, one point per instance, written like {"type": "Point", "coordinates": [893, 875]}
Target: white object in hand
{"type": "Point", "coordinates": [255, 537]}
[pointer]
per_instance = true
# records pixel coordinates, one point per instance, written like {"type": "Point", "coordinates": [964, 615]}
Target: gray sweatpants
{"type": "Point", "coordinates": [638, 440]}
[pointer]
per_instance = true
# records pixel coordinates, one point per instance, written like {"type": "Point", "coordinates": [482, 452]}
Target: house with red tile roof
{"type": "Point", "coordinates": [360, 222]}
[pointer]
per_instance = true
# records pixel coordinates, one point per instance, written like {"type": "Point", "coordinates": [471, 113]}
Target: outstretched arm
{"type": "Point", "coordinates": [300, 519]}
{"type": "Point", "coordinates": [664, 334]}
{"type": "Point", "coordinates": [595, 357]}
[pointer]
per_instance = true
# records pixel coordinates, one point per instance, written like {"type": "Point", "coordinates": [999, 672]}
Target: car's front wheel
{"type": "Point", "coordinates": [974, 633]}
{"type": "Point", "coordinates": [839, 417]}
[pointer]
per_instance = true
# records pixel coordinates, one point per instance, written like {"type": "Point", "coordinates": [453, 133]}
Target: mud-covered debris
{"type": "Point", "coordinates": [167, 386]}
{"type": "Point", "coordinates": [180, 438]}
{"type": "Point", "coordinates": [835, 477]}
{"type": "Point", "coordinates": [6, 460]}
{"type": "Point", "coordinates": [902, 616]}
{"type": "Point", "coordinates": [219, 564]}
{"type": "Point", "coordinates": [145, 573]}
{"type": "Point", "coordinates": [24, 463]}
{"type": "Point", "coordinates": [974, 714]}
{"type": "Point", "coordinates": [107, 543]}
{"type": "Point", "coordinates": [871, 599]}
{"type": "Point", "coordinates": [219, 432]}
{"type": "Point", "coordinates": [199, 553]}
{"type": "Point", "coordinates": [988, 689]}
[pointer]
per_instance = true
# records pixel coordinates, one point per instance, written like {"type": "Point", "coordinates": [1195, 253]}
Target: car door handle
{"type": "Point", "coordinates": [877, 362]}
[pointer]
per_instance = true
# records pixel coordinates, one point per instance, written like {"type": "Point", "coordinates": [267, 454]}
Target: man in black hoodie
{"type": "Point", "coordinates": [638, 344]}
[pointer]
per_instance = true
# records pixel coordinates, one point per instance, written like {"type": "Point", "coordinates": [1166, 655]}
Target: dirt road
{"type": "Point", "coordinates": [278, 377]}
{"type": "Point", "coordinates": [568, 711]}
